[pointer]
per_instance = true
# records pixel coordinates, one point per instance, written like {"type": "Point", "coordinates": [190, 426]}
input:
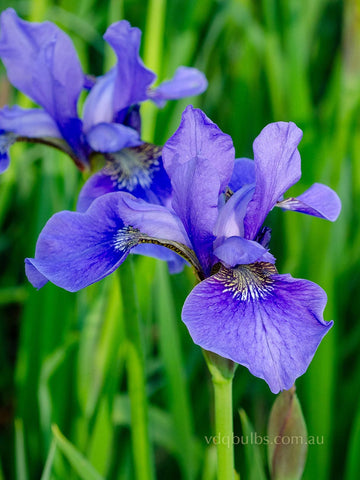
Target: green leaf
{"type": "Point", "coordinates": [353, 457]}
{"type": "Point", "coordinates": [210, 463]}
{"type": "Point", "coordinates": [160, 423]}
{"type": "Point", "coordinates": [176, 385]}
{"type": "Point", "coordinates": [20, 462]}
{"type": "Point", "coordinates": [253, 459]}
{"type": "Point", "coordinates": [76, 459]}
{"type": "Point", "coordinates": [46, 475]}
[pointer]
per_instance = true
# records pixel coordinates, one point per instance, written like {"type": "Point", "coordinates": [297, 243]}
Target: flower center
{"type": "Point", "coordinates": [6, 140]}
{"type": "Point", "coordinates": [133, 167]}
{"type": "Point", "coordinates": [248, 282]}
{"type": "Point", "coordinates": [126, 238]}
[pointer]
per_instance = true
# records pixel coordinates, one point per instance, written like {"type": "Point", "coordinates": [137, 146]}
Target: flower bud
{"type": "Point", "coordinates": [287, 433]}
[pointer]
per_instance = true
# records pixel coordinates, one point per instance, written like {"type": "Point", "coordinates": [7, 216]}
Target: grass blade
{"type": "Point", "coordinates": [46, 475]}
{"type": "Point", "coordinates": [253, 459]}
{"type": "Point", "coordinates": [177, 389]}
{"type": "Point", "coordinates": [76, 459]}
{"type": "Point", "coordinates": [20, 458]}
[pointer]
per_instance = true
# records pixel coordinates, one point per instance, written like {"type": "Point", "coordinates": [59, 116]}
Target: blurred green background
{"type": "Point", "coordinates": [71, 359]}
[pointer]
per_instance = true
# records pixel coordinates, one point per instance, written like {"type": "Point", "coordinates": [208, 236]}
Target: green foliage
{"type": "Point", "coordinates": [66, 357]}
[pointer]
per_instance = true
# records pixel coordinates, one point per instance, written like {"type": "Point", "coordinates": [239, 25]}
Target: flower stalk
{"type": "Point", "coordinates": [224, 427]}
{"type": "Point", "coordinates": [222, 373]}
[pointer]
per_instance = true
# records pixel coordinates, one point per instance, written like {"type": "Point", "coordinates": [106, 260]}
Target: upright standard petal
{"type": "Point", "coordinates": [132, 77]}
{"type": "Point", "coordinates": [277, 168]}
{"type": "Point", "coordinates": [272, 324]}
{"type": "Point", "coordinates": [75, 250]}
{"type": "Point", "coordinates": [198, 136]}
{"type": "Point", "coordinates": [136, 170]}
{"type": "Point", "coordinates": [186, 82]}
{"type": "Point", "coordinates": [195, 193]}
{"type": "Point", "coordinates": [41, 61]}
{"type": "Point", "coordinates": [319, 201]}
{"type": "Point", "coordinates": [191, 158]}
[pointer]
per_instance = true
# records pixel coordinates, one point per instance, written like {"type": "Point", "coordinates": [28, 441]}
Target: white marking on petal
{"type": "Point", "coordinates": [6, 140]}
{"type": "Point", "coordinates": [133, 167]}
{"type": "Point", "coordinates": [126, 238]}
{"type": "Point", "coordinates": [248, 282]}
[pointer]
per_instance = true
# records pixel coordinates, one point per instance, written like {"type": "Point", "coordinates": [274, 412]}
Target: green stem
{"type": "Point", "coordinates": [222, 373]}
{"type": "Point", "coordinates": [224, 427]}
{"type": "Point", "coordinates": [135, 365]}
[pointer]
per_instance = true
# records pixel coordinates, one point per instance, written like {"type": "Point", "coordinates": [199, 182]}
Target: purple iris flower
{"type": "Point", "coordinates": [242, 308]}
{"type": "Point", "coordinates": [41, 61]}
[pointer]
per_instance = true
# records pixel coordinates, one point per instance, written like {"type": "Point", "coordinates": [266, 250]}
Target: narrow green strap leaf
{"type": "Point", "coordinates": [49, 366]}
{"type": "Point", "coordinates": [20, 462]}
{"type": "Point", "coordinates": [46, 475]}
{"type": "Point", "coordinates": [176, 385]}
{"type": "Point", "coordinates": [76, 459]}
{"type": "Point", "coordinates": [353, 457]}
{"type": "Point", "coordinates": [160, 422]}
{"type": "Point", "coordinates": [2, 477]}
{"type": "Point", "coordinates": [210, 463]}
{"type": "Point", "coordinates": [135, 366]}
{"type": "Point", "coordinates": [254, 463]}
{"type": "Point", "coordinates": [16, 294]}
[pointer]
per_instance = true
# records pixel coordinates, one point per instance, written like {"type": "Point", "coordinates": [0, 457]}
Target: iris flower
{"type": "Point", "coordinates": [242, 308]}
{"type": "Point", "coordinates": [41, 62]}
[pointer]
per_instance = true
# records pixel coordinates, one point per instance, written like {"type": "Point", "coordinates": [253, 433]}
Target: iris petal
{"type": "Point", "coordinates": [195, 192]}
{"type": "Point", "coordinates": [41, 61]}
{"type": "Point", "coordinates": [239, 251]}
{"type": "Point", "coordinates": [198, 136]}
{"type": "Point", "coordinates": [32, 122]}
{"type": "Point", "coordinates": [98, 106]}
{"type": "Point", "coordinates": [132, 77]}
{"type": "Point", "coordinates": [186, 82]}
{"type": "Point", "coordinates": [75, 250]}
{"type": "Point", "coordinates": [112, 137]}
{"type": "Point", "coordinates": [191, 159]}
{"type": "Point", "coordinates": [17, 122]}
{"type": "Point", "coordinates": [277, 168]}
{"type": "Point", "coordinates": [230, 221]}
{"type": "Point", "coordinates": [319, 201]}
{"type": "Point", "coordinates": [243, 173]}
{"type": "Point", "coordinates": [4, 156]}
{"type": "Point", "coordinates": [272, 324]}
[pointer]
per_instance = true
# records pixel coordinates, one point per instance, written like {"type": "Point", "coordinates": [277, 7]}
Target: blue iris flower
{"type": "Point", "coordinates": [41, 61]}
{"type": "Point", "coordinates": [242, 308]}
